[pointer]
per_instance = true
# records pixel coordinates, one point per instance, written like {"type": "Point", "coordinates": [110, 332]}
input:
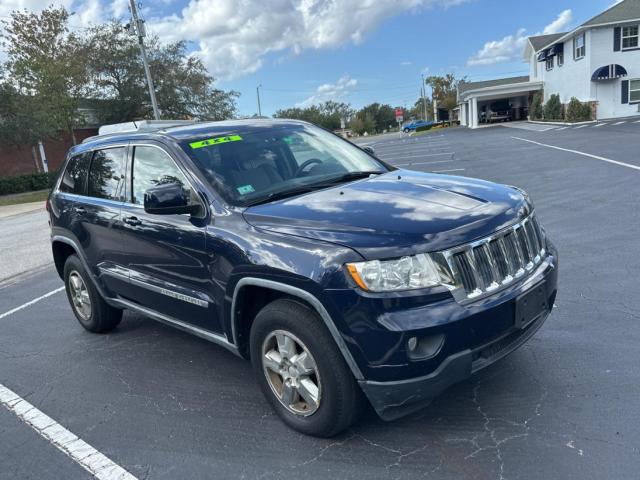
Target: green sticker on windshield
{"type": "Point", "coordinates": [215, 141]}
{"type": "Point", "coordinates": [244, 189]}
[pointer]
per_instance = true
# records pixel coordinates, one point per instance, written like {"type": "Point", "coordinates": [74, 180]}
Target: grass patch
{"type": "Point", "coordinates": [27, 197]}
{"type": "Point", "coordinates": [433, 129]}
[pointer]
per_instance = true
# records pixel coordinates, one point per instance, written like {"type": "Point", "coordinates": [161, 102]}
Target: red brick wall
{"type": "Point", "coordinates": [19, 160]}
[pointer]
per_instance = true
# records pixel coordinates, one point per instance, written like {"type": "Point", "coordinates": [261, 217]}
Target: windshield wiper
{"type": "Point", "coordinates": [283, 194]}
{"type": "Point", "coordinates": [345, 177]}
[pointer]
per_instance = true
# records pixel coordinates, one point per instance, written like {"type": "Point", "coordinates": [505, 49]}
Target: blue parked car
{"type": "Point", "coordinates": [411, 126]}
{"type": "Point", "coordinates": [342, 278]}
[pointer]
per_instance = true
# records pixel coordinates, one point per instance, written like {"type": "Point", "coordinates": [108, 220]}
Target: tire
{"type": "Point", "coordinates": [93, 313]}
{"type": "Point", "coordinates": [406, 130]}
{"type": "Point", "coordinates": [338, 395]}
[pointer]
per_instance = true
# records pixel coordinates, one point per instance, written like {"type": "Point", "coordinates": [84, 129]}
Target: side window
{"type": "Point", "coordinates": [106, 175]}
{"type": "Point", "coordinates": [153, 167]}
{"type": "Point", "coordinates": [74, 179]}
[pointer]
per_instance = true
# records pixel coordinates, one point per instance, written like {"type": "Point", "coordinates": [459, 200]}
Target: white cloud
{"type": "Point", "coordinates": [119, 8]}
{"type": "Point", "coordinates": [510, 47]}
{"type": "Point", "coordinates": [559, 24]}
{"type": "Point", "coordinates": [233, 37]}
{"type": "Point", "coordinates": [498, 51]}
{"type": "Point", "coordinates": [405, 64]}
{"type": "Point", "coordinates": [330, 91]}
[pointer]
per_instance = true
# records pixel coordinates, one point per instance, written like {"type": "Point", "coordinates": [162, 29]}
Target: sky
{"type": "Point", "coordinates": [303, 52]}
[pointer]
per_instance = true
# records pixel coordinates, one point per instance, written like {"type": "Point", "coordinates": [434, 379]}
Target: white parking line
{"type": "Point", "coordinates": [414, 146]}
{"type": "Point", "coordinates": [600, 125]}
{"type": "Point", "coordinates": [419, 156]}
{"type": "Point", "coordinates": [422, 163]}
{"type": "Point", "coordinates": [77, 449]}
{"type": "Point", "coordinates": [608, 160]}
{"type": "Point", "coordinates": [561, 128]}
{"type": "Point", "coordinates": [618, 123]}
{"type": "Point", "coordinates": [35, 300]}
{"type": "Point", "coordinates": [637, 121]}
{"type": "Point", "coordinates": [581, 126]}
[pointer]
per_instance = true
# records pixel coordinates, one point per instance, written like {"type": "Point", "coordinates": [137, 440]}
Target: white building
{"type": "Point", "coordinates": [598, 62]}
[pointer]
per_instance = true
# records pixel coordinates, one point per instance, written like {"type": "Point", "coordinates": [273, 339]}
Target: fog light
{"type": "Point", "coordinates": [423, 348]}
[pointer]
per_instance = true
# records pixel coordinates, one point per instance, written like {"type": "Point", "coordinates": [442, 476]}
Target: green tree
{"type": "Point", "coordinates": [578, 111]}
{"type": "Point", "coordinates": [45, 62]}
{"type": "Point", "coordinates": [417, 111]}
{"type": "Point", "coordinates": [184, 88]}
{"type": "Point", "coordinates": [536, 110]}
{"type": "Point", "coordinates": [445, 90]}
{"type": "Point", "coordinates": [382, 115]}
{"type": "Point", "coordinates": [553, 108]}
{"type": "Point", "coordinates": [327, 115]}
{"type": "Point", "coordinates": [23, 120]}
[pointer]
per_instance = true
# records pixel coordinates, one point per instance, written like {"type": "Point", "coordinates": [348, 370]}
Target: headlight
{"type": "Point", "coordinates": [418, 271]}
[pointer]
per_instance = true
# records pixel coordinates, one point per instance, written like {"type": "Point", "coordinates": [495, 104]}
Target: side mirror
{"type": "Point", "coordinates": [369, 150]}
{"type": "Point", "coordinates": [169, 199]}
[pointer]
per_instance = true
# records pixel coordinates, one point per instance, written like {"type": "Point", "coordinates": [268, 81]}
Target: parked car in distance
{"type": "Point", "coordinates": [414, 124]}
{"type": "Point", "coordinates": [342, 278]}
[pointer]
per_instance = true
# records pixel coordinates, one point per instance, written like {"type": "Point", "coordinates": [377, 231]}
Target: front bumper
{"type": "Point", "coordinates": [477, 335]}
{"type": "Point", "coordinates": [392, 400]}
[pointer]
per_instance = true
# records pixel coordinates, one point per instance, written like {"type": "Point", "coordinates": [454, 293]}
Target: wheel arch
{"type": "Point", "coordinates": [269, 290]}
{"type": "Point", "coordinates": [62, 247]}
{"type": "Point", "coordinates": [61, 251]}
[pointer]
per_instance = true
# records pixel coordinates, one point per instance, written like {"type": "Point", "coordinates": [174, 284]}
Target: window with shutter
{"type": "Point", "coordinates": [634, 91]}
{"type": "Point", "coordinates": [629, 37]}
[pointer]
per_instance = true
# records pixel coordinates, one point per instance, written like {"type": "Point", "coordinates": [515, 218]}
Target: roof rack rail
{"type": "Point", "coordinates": [139, 126]}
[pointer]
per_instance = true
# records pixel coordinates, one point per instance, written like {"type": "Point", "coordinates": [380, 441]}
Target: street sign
{"type": "Point", "coordinates": [399, 115]}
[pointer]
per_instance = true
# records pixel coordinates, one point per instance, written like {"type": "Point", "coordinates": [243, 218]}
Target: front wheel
{"type": "Point", "coordinates": [301, 370]}
{"type": "Point", "coordinates": [406, 130]}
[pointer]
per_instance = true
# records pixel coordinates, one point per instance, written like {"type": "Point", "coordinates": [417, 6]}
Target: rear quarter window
{"type": "Point", "coordinates": [107, 174]}
{"type": "Point", "coordinates": [74, 179]}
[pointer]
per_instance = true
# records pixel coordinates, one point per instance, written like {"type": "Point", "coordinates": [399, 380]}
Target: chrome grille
{"type": "Point", "coordinates": [488, 264]}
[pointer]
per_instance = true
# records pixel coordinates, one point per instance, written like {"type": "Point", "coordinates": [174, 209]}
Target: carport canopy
{"type": "Point", "coordinates": [469, 94]}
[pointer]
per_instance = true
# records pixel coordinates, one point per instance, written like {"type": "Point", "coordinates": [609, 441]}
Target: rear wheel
{"type": "Point", "coordinates": [301, 371]}
{"type": "Point", "coordinates": [93, 313]}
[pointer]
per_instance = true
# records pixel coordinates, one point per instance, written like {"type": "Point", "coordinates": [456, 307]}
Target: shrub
{"type": "Point", "coordinates": [578, 111]}
{"type": "Point", "coordinates": [553, 108]}
{"type": "Point", "coordinates": [26, 183]}
{"type": "Point", "coordinates": [536, 106]}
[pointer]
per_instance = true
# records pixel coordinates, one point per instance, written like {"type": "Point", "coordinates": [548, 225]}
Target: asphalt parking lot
{"type": "Point", "coordinates": [163, 404]}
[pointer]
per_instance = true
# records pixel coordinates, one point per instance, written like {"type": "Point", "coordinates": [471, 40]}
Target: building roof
{"type": "Point", "coordinates": [620, 12]}
{"type": "Point", "coordinates": [468, 86]}
{"type": "Point", "coordinates": [540, 41]}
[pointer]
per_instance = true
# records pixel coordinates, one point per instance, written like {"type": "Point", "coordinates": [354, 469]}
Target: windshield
{"type": "Point", "coordinates": [248, 168]}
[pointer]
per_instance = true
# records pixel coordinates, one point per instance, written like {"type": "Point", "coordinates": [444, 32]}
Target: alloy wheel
{"type": "Point", "coordinates": [291, 372]}
{"type": "Point", "coordinates": [79, 295]}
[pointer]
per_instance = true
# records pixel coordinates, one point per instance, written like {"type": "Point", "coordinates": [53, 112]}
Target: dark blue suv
{"type": "Point", "coordinates": [342, 278]}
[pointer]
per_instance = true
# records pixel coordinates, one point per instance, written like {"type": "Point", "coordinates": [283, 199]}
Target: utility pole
{"type": "Point", "coordinates": [424, 102]}
{"type": "Point", "coordinates": [139, 31]}
{"type": "Point", "coordinates": [258, 94]}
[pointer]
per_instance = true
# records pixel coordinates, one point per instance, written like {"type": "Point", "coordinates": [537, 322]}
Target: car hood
{"type": "Point", "coordinates": [397, 213]}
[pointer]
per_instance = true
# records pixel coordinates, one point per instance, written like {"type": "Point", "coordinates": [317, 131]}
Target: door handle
{"type": "Point", "coordinates": [80, 210]}
{"type": "Point", "coordinates": [132, 221]}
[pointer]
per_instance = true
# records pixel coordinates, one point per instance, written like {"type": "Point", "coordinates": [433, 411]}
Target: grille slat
{"type": "Point", "coordinates": [487, 264]}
